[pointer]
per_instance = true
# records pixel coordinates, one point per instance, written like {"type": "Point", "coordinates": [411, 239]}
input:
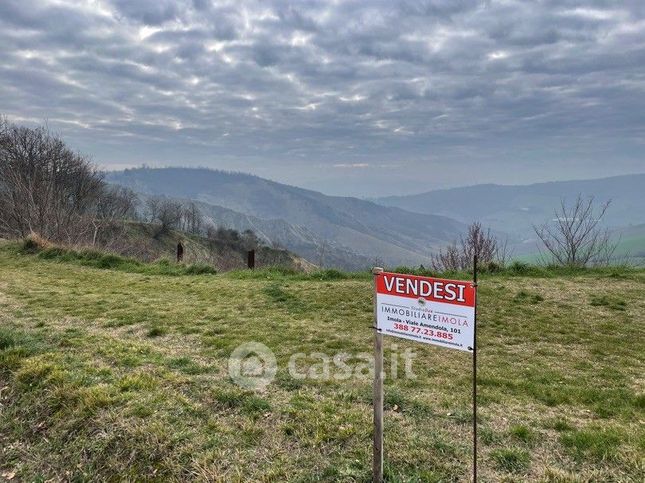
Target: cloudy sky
{"type": "Point", "coordinates": [348, 97]}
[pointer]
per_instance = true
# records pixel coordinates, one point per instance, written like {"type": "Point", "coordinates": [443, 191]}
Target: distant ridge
{"type": "Point", "coordinates": [504, 185]}
{"type": "Point", "coordinates": [329, 230]}
{"type": "Point", "coordinates": [513, 208]}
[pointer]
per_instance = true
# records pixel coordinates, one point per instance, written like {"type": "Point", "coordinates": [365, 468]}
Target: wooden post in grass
{"type": "Point", "coordinates": [377, 464]}
{"type": "Point", "coordinates": [250, 259]}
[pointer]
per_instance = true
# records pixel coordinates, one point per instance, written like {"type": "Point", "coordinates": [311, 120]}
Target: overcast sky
{"type": "Point", "coordinates": [358, 97]}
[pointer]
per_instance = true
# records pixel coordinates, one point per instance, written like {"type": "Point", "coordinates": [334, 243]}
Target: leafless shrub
{"type": "Point", "coordinates": [323, 247]}
{"type": "Point", "coordinates": [192, 219]}
{"type": "Point", "coordinates": [165, 213]}
{"type": "Point", "coordinates": [448, 258]}
{"type": "Point", "coordinates": [480, 242]}
{"type": "Point", "coordinates": [575, 238]}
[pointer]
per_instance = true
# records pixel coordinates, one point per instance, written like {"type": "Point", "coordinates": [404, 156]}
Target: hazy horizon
{"type": "Point", "coordinates": [354, 98]}
{"type": "Point", "coordinates": [407, 193]}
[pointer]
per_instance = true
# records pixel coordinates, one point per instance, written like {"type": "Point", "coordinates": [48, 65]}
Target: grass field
{"type": "Point", "coordinates": [114, 375]}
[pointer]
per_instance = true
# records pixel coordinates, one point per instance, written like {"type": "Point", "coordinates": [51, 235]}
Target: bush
{"type": "Point", "coordinates": [41, 175]}
{"type": "Point", "coordinates": [421, 271]}
{"type": "Point", "coordinates": [329, 274]}
{"type": "Point", "coordinates": [519, 268]}
{"type": "Point", "coordinates": [477, 242]}
{"type": "Point", "coordinates": [52, 253]}
{"type": "Point", "coordinates": [32, 244]}
{"type": "Point", "coordinates": [492, 267]}
{"type": "Point", "coordinates": [109, 261]}
{"type": "Point", "coordinates": [29, 246]}
{"type": "Point", "coordinates": [90, 254]}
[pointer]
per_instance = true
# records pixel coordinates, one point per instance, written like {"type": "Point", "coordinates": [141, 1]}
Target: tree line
{"type": "Point", "coordinates": [48, 189]}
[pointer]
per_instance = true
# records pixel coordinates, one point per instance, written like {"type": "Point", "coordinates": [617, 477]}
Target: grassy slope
{"type": "Point", "coordinates": [124, 375]}
{"type": "Point", "coordinates": [632, 249]}
{"type": "Point", "coordinates": [141, 241]}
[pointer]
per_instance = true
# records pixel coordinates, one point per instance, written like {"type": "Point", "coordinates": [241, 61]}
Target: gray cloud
{"type": "Point", "coordinates": [444, 91]}
{"type": "Point", "coordinates": [150, 12]}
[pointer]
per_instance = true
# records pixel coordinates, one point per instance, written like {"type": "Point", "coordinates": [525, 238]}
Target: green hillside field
{"type": "Point", "coordinates": [630, 248]}
{"type": "Point", "coordinates": [122, 375]}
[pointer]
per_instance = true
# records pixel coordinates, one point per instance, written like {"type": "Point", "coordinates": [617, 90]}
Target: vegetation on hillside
{"type": "Point", "coordinates": [330, 231]}
{"type": "Point", "coordinates": [99, 259]}
{"type": "Point", "coordinates": [50, 192]}
{"type": "Point", "coordinates": [478, 242]}
{"type": "Point", "coordinates": [112, 374]}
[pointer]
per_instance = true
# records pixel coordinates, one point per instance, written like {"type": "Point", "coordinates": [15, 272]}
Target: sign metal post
{"type": "Point", "coordinates": [475, 373]}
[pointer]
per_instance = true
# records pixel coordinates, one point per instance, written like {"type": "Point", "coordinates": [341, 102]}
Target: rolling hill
{"type": "Point", "coordinates": [339, 231]}
{"type": "Point", "coordinates": [297, 238]}
{"type": "Point", "coordinates": [632, 243]}
{"type": "Point", "coordinates": [513, 209]}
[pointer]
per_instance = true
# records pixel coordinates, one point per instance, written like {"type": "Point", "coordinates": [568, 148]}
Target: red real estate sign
{"type": "Point", "coordinates": [428, 310]}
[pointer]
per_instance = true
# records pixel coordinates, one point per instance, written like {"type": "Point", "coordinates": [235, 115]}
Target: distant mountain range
{"type": "Point", "coordinates": [352, 233]}
{"type": "Point", "coordinates": [327, 230]}
{"type": "Point", "coordinates": [514, 209]}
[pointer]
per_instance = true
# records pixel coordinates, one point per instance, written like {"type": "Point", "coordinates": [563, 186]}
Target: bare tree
{"type": "Point", "coordinates": [575, 238]}
{"type": "Point", "coordinates": [480, 242]}
{"type": "Point", "coordinates": [192, 219]}
{"type": "Point", "coordinates": [45, 187]}
{"type": "Point", "coordinates": [169, 215]}
{"type": "Point", "coordinates": [114, 204]}
{"type": "Point", "coordinates": [448, 258]}
{"type": "Point", "coordinates": [165, 212]}
{"type": "Point", "coordinates": [322, 251]}
{"type": "Point", "coordinates": [152, 209]}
